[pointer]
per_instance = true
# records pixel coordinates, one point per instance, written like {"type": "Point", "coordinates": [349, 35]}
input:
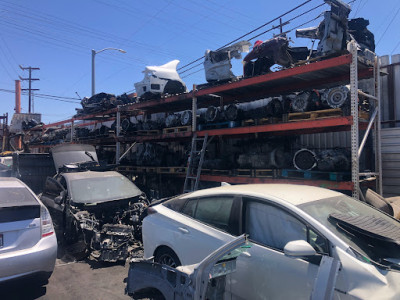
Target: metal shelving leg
{"type": "Point", "coordinates": [117, 132]}
{"type": "Point", "coordinates": [194, 110]}
{"type": "Point", "coordinates": [72, 131]}
{"type": "Point", "coordinates": [377, 127]}
{"type": "Point", "coordinates": [355, 168]}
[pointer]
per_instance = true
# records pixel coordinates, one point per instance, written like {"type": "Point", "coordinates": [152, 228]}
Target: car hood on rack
{"type": "Point", "coordinates": [73, 153]}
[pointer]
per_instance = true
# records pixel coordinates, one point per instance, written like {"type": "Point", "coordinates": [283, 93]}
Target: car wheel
{"type": "Point", "coordinates": [167, 257]}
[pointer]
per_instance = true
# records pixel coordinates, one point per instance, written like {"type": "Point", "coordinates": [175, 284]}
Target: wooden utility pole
{"type": "Point", "coordinates": [30, 79]}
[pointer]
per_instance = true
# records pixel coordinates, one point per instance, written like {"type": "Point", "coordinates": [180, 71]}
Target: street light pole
{"type": "Point", "coordinates": [93, 72]}
{"type": "Point", "coordinates": [94, 52]}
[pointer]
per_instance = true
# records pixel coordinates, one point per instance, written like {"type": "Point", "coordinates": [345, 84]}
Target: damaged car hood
{"type": "Point", "coordinates": [166, 71]}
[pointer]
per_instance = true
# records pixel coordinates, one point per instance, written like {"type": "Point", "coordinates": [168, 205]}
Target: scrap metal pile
{"type": "Point", "coordinates": [102, 102]}
{"type": "Point", "coordinates": [333, 33]}
{"type": "Point", "coordinates": [153, 154]}
{"type": "Point", "coordinates": [323, 160]}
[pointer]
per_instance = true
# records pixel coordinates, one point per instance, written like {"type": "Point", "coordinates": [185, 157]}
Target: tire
{"type": "Point", "coordinates": [166, 256]}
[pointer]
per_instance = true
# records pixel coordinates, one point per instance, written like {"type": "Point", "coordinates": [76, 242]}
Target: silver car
{"type": "Point", "coordinates": [28, 244]}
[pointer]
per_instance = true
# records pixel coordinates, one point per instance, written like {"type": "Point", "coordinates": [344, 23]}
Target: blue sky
{"type": "Point", "coordinates": [57, 36]}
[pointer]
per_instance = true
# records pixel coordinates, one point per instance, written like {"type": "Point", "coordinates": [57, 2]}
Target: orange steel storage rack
{"type": "Point", "coordinates": [344, 69]}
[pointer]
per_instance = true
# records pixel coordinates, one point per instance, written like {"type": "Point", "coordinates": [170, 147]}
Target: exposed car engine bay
{"type": "Point", "coordinates": [109, 229]}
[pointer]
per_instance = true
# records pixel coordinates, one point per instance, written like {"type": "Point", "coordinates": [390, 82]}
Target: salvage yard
{"type": "Point", "coordinates": [86, 279]}
{"type": "Point", "coordinates": [269, 171]}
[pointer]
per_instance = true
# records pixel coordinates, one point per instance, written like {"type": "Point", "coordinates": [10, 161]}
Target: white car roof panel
{"type": "Point", "coordinates": [294, 194]}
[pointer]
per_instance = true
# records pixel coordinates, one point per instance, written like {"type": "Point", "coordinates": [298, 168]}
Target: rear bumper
{"type": "Point", "coordinates": [38, 259]}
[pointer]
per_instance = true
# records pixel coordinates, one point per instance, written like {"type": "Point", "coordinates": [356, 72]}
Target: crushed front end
{"type": "Point", "coordinates": [109, 230]}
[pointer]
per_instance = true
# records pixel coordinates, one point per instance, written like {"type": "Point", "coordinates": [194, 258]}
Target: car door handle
{"type": "Point", "coordinates": [246, 254]}
{"type": "Point", "coordinates": [183, 230]}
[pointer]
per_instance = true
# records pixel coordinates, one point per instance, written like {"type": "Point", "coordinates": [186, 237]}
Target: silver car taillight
{"type": "Point", "coordinates": [46, 224]}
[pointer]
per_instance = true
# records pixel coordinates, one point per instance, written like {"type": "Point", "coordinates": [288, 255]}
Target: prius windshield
{"type": "Point", "coordinates": [363, 228]}
{"type": "Point", "coordinates": [101, 189]}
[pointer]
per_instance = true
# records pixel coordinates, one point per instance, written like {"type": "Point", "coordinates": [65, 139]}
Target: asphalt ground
{"type": "Point", "coordinates": [74, 279]}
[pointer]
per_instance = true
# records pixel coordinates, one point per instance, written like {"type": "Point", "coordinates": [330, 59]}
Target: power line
{"type": "Point", "coordinates": [387, 27]}
{"type": "Point", "coordinates": [61, 43]}
{"type": "Point", "coordinates": [151, 18]}
{"type": "Point", "coordinates": [268, 30]}
{"type": "Point", "coordinates": [46, 96]}
{"type": "Point", "coordinates": [219, 12]}
{"type": "Point", "coordinates": [301, 25]}
{"type": "Point", "coordinates": [9, 51]}
{"type": "Point", "coordinates": [200, 30]}
{"type": "Point", "coordinates": [60, 97]}
{"type": "Point", "coordinates": [8, 73]}
{"type": "Point", "coordinates": [69, 27]}
{"type": "Point", "coordinates": [65, 26]}
{"type": "Point", "coordinates": [250, 32]}
{"type": "Point", "coordinates": [395, 47]}
{"type": "Point", "coordinates": [6, 57]}
{"type": "Point", "coordinates": [226, 7]}
{"type": "Point", "coordinates": [187, 75]}
{"type": "Point", "coordinates": [292, 19]}
{"type": "Point", "coordinates": [358, 7]}
{"type": "Point", "coordinates": [130, 91]}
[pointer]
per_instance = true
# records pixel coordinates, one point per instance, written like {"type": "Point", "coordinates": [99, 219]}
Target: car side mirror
{"type": "Point", "coordinates": [58, 200]}
{"type": "Point", "coordinates": [299, 248]}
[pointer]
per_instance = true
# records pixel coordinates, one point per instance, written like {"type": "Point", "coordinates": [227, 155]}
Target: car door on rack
{"type": "Point", "coordinates": [265, 272]}
{"type": "Point", "coordinates": [212, 224]}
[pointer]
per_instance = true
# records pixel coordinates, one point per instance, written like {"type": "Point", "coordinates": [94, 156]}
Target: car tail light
{"type": "Point", "coordinates": [151, 210]}
{"type": "Point", "coordinates": [46, 224]}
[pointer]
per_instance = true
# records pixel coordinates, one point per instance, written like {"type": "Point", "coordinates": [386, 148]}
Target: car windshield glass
{"type": "Point", "coordinates": [365, 244]}
{"type": "Point", "coordinates": [16, 196]}
{"type": "Point", "coordinates": [101, 189]}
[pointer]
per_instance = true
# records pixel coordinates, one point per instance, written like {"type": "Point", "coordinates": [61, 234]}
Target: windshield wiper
{"type": "Point", "coordinates": [90, 155]}
{"type": "Point", "coordinates": [369, 226]}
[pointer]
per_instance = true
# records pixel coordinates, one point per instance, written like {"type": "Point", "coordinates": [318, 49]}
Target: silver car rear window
{"type": "Point", "coordinates": [16, 196]}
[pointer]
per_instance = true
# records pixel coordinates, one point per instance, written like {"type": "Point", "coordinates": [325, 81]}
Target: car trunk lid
{"type": "Point", "coordinates": [19, 219]}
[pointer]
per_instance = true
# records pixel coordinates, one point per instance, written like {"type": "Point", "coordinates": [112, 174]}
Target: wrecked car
{"type": "Point", "coordinates": [296, 232]}
{"type": "Point", "coordinates": [211, 278]}
{"type": "Point", "coordinates": [268, 53]}
{"type": "Point", "coordinates": [205, 280]}
{"type": "Point", "coordinates": [335, 31]}
{"type": "Point", "coordinates": [217, 64]}
{"type": "Point", "coordinates": [160, 80]}
{"type": "Point", "coordinates": [98, 211]}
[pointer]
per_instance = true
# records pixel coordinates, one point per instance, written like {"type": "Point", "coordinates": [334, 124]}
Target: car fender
{"type": "Point", "coordinates": [150, 227]}
{"type": "Point", "coordinates": [367, 281]}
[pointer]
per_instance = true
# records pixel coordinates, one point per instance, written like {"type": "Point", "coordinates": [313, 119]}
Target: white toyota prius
{"type": "Point", "coordinates": [302, 237]}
